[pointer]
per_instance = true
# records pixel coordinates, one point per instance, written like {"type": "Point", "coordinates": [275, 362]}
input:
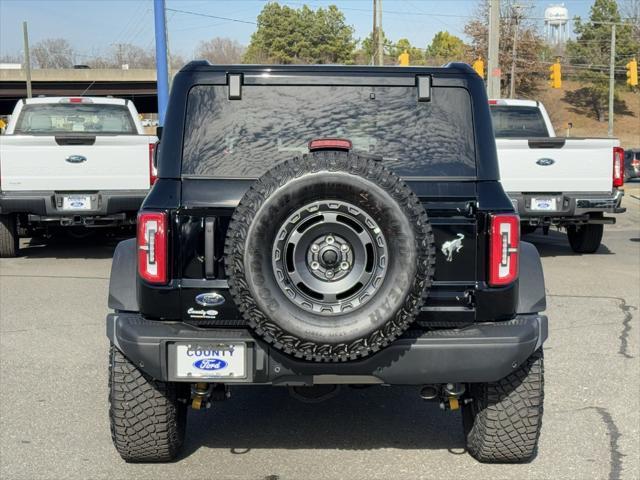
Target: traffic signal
{"type": "Point", "coordinates": [404, 59]}
{"type": "Point", "coordinates": [478, 66]}
{"type": "Point", "coordinates": [632, 73]}
{"type": "Point", "coordinates": [556, 75]}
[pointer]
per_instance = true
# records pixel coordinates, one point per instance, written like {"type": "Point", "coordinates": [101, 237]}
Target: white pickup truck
{"type": "Point", "coordinates": [556, 181]}
{"type": "Point", "coordinates": [71, 162]}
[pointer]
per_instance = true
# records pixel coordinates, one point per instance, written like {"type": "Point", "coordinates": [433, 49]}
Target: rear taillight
{"type": "Point", "coordinates": [618, 166]}
{"type": "Point", "coordinates": [153, 171]}
{"type": "Point", "coordinates": [152, 247]}
{"type": "Point", "coordinates": [504, 244]}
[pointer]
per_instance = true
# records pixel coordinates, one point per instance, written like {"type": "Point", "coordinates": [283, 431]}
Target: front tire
{"type": "Point", "coordinates": [585, 238]}
{"type": "Point", "coordinates": [148, 421]}
{"type": "Point", "coordinates": [502, 423]}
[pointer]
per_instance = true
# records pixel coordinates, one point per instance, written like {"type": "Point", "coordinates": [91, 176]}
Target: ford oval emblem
{"type": "Point", "coordinates": [545, 162]}
{"type": "Point", "coordinates": [76, 158]}
{"type": "Point", "coordinates": [209, 299]}
{"type": "Point", "coordinates": [210, 364]}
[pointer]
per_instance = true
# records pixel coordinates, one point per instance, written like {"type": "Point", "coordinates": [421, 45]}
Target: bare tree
{"type": "Point", "coordinates": [176, 61]}
{"type": "Point", "coordinates": [630, 10]}
{"type": "Point", "coordinates": [125, 54]}
{"type": "Point", "coordinates": [52, 53]}
{"type": "Point", "coordinates": [530, 47]}
{"type": "Point", "coordinates": [11, 58]}
{"type": "Point", "coordinates": [221, 51]}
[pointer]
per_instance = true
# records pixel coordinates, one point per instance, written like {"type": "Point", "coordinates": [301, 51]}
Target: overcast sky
{"type": "Point", "coordinates": [91, 26]}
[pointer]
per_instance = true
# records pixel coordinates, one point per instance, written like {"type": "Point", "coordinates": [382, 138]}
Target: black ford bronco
{"type": "Point", "coordinates": [317, 226]}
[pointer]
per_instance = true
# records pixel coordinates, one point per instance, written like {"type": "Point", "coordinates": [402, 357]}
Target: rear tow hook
{"type": "Point", "coordinates": [203, 393]}
{"type": "Point", "coordinates": [450, 398]}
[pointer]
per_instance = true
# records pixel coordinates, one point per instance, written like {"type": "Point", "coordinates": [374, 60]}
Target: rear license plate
{"type": "Point", "coordinates": [76, 202]}
{"type": "Point", "coordinates": [211, 360]}
{"type": "Point", "coordinates": [543, 204]}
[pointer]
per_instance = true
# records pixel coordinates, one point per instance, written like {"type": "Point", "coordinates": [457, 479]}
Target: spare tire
{"type": "Point", "coordinates": [329, 256]}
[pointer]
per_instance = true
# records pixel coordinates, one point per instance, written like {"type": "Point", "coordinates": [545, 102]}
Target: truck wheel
{"type": "Point", "coordinates": [585, 238]}
{"type": "Point", "coordinates": [502, 423]}
{"type": "Point", "coordinates": [8, 236]}
{"type": "Point", "coordinates": [329, 256]}
{"type": "Point", "coordinates": [147, 419]}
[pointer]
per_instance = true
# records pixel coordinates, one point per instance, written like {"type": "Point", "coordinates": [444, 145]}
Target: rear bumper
{"type": "Point", "coordinates": [571, 207]}
{"type": "Point", "coordinates": [47, 206]}
{"type": "Point", "coordinates": [481, 353]}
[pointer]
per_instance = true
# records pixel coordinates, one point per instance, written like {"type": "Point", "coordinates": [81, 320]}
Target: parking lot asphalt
{"type": "Point", "coordinates": [53, 386]}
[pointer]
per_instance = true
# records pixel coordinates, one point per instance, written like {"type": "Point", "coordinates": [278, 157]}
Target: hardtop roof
{"type": "Point", "coordinates": [450, 68]}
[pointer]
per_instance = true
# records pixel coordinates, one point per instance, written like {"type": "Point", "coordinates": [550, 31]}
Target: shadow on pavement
{"type": "Point", "coordinates": [556, 244]}
{"type": "Point", "coordinates": [371, 418]}
{"type": "Point", "coordinates": [100, 245]}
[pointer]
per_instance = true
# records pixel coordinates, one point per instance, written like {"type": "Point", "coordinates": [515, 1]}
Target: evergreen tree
{"type": "Point", "coordinates": [289, 35]}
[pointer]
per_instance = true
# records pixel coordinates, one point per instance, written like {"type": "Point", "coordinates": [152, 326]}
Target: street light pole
{"type": "Point", "coordinates": [27, 59]}
{"type": "Point", "coordinates": [162, 69]}
{"type": "Point", "coordinates": [612, 64]}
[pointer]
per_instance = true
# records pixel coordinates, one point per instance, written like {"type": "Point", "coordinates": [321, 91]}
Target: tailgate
{"type": "Point", "coordinates": [556, 164]}
{"type": "Point", "coordinates": [45, 163]}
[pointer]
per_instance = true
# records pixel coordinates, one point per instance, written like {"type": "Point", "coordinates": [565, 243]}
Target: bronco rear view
{"type": "Point", "coordinates": [318, 226]}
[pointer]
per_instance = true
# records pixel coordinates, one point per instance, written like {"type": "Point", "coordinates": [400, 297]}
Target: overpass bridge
{"type": "Point", "coordinates": [137, 85]}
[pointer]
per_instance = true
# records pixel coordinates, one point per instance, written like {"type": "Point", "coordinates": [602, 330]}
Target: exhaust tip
{"type": "Point", "coordinates": [429, 392]}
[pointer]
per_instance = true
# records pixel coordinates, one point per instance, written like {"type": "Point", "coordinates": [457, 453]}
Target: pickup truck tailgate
{"type": "Point", "coordinates": [101, 162]}
{"type": "Point", "coordinates": [556, 164]}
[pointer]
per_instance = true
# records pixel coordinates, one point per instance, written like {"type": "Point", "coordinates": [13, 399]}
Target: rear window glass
{"type": "Point", "coordinates": [61, 118]}
{"type": "Point", "coordinates": [514, 122]}
{"type": "Point", "coordinates": [244, 138]}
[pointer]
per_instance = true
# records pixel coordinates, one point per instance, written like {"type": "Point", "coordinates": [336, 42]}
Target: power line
{"type": "Point", "coordinates": [187, 12]}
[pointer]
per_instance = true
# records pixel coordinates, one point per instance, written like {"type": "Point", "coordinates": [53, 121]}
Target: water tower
{"type": "Point", "coordinates": [555, 24]}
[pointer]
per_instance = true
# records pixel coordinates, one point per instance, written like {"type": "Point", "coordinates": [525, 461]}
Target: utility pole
{"type": "Point", "coordinates": [162, 70]}
{"type": "Point", "coordinates": [380, 35]}
{"type": "Point", "coordinates": [374, 33]}
{"type": "Point", "coordinates": [515, 12]}
{"type": "Point", "coordinates": [27, 58]}
{"type": "Point", "coordinates": [612, 62]}
{"type": "Point", "coordinates": [493, 68]}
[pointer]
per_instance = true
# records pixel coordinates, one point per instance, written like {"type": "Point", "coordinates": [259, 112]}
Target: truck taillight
{"type": "Point", "coordinates": [618, 166]}
{"type": "Point", "coordinates": [504, 244]}
{"type": "Point", "coordinates": [152, 247]}
{"type": "Point", "coordinates": [153, 171]}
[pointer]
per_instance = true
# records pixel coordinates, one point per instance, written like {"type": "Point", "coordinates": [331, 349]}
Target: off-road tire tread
{"type": "Point", "coordinates": [147, 420]}
{"type": "Point", "coordinates": [8, 236]}
{"type": "Point", "coordinates": [276, 178]}
{"type": "Point", "coordinates": [585, 238]}
{"type": "Point", "coordinates": [508, 415]}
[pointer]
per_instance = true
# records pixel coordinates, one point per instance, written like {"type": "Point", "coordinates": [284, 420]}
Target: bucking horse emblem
{"type": "Point", "coordinates": [452, 246]}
